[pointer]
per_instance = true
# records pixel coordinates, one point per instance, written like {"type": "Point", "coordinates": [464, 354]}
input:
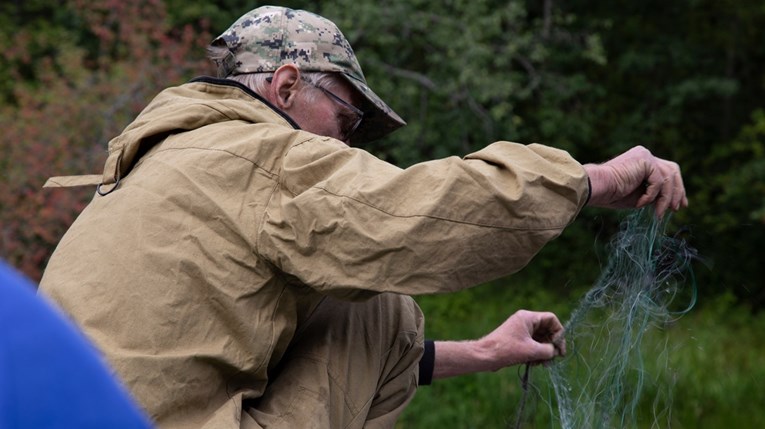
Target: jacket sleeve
{"type": "Point", "coordinates": [347, 223]}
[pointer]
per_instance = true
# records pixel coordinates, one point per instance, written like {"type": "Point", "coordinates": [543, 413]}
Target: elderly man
{"type": "Point", "coordinates": [244, 264]}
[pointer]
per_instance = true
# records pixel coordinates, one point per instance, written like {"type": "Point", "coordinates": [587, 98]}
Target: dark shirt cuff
{"type": "Point", "coordinates": [427, 363]}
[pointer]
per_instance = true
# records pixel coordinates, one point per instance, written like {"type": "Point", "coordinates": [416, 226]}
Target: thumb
{"type": "Point", "coordinates": [541, 351]}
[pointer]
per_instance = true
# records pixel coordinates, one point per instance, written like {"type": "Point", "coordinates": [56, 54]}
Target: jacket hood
{"type": "Point", "coordinates": [203, 101]}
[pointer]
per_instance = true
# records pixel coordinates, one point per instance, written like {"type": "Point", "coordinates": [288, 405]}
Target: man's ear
{"type": "Point", "coordinates": [284, 86]}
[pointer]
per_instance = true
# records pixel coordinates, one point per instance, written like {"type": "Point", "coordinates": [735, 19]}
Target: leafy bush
{"type": "Point", "coordinates": [79, 80]}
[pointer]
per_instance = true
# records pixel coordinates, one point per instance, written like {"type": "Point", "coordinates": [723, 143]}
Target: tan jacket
{"type": "Point", "coordinates": [227, 224]}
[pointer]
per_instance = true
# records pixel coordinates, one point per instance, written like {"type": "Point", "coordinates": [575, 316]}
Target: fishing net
{"type": "Point", "coordinates": [646, 285]}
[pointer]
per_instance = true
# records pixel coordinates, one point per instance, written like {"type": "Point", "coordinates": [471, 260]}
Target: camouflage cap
{"type": "Point", "coordinates": [268, 37]}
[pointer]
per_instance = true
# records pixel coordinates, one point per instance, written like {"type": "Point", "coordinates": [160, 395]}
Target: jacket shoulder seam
{"type": "Point", "coordinates": [271, 174]}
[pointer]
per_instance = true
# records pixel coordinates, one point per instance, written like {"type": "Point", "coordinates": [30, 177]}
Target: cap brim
{"type": "Point", "coordinates": [379, 119]}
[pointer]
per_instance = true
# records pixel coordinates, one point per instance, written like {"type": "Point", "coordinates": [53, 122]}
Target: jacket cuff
{"type": "Point", "coordinates": [427, 363]}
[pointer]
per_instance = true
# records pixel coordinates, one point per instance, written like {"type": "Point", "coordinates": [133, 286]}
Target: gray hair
{"type": "Point", "coordinates": [258, 82]}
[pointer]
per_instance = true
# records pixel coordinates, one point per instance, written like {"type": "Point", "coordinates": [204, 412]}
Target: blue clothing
{"type": "Point", "coordinates": [50, 375]}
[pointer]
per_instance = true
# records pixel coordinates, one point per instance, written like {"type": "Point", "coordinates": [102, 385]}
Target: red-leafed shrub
{"type": "Point", "coordinates": [77, 81]}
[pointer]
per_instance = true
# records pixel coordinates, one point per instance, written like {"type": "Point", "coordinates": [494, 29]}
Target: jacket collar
{"type": "Point", "coordinates": [251, 93]}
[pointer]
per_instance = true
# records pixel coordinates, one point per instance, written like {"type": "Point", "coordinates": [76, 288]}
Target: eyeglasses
{"type": "Point", "coordinates": [351, 124]}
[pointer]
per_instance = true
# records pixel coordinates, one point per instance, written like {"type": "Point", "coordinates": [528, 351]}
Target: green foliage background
{"type": "Point", "coordinates": [684, 78]}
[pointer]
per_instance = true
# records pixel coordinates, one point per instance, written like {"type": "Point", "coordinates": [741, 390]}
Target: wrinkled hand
{"type": "Point", "coordinates": [635, 179]}
{"type": "Point", "coordinates": [526, 336]}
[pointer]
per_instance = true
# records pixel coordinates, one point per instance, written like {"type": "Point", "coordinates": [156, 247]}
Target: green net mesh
{"type": "Point", "coordinates": [646, 285]}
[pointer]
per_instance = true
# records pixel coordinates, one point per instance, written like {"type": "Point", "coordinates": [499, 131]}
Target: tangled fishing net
{"type": "Point", "coordinates": [646, 285]}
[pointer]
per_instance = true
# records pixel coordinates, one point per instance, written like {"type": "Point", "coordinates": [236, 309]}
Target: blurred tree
{"type": "Point", "coordinates": [734, 195]}
{"type": "Point", "coordinates": [78, 79]}
{"type": "Point", "coordinates": [683, 78]}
